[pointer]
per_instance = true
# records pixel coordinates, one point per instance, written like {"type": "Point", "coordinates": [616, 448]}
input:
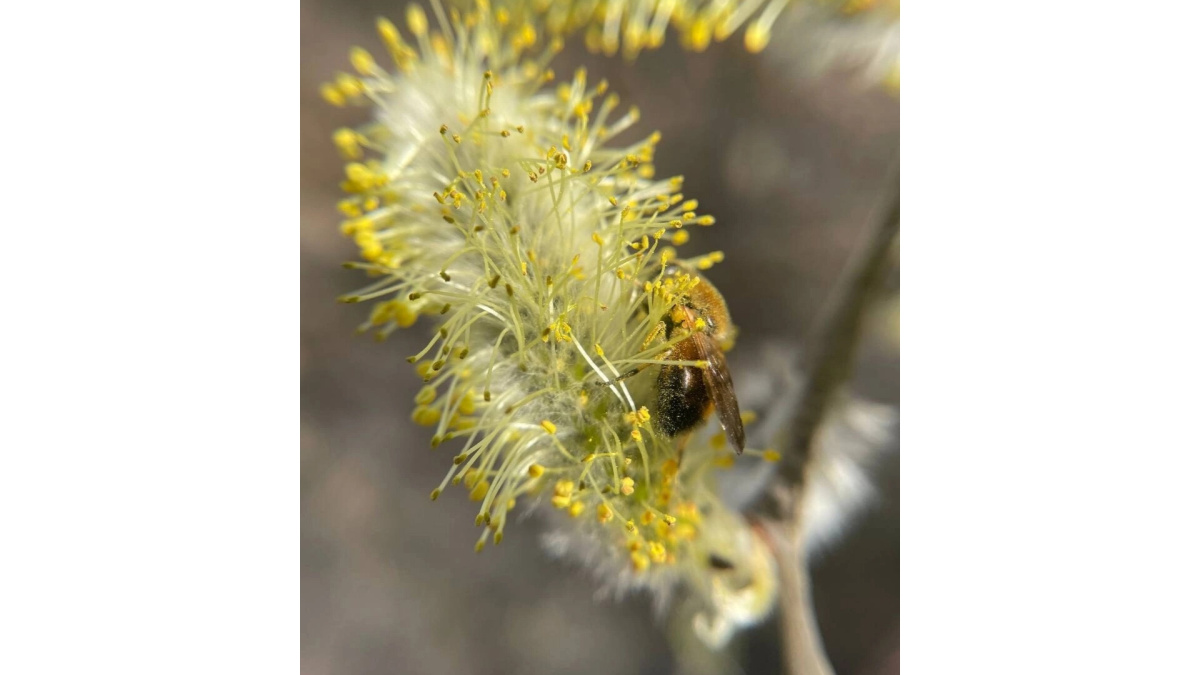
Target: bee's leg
{"type": "Point", "coordinates": [681, 442]}
{"type": "Point", "coordinates": [659, 329]}
{"type": "Point", "coordinates": [623, 376]}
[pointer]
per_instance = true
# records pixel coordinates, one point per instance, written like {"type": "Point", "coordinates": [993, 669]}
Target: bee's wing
{"type": "Point", "coordinates": [720, 385]}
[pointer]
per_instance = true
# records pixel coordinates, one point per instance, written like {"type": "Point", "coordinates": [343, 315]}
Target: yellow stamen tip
{"type": "Point", "coordinates": [362, 61]}
{"type": "Point", "coordinates": [757, 37]}
{"type": "Point", "coordinates": [333, 95]}
{"type": "Point", "coordinates": [426, 416]}
{"type": "Point", "coordinates": [417, 23]}
{"type": "Point", "coordinates": [479, 491]}
{"type": "Point", "coordinates": [627, 486]}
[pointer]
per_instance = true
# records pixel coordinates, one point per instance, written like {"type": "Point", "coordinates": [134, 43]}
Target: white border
{"type": "Point", "coordinates": [1051, 338]}
{"type": "Point", "coordinates": [149, 431]}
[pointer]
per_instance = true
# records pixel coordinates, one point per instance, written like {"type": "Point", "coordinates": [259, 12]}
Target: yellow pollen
{"type": "Point", "coordinates": [347, 142]}
{"type": "Point", "coordinates": [426, 417]}
{"type": "Point", "coordinates": [757, 37]}
{"type": "Point", "coordinates": [362, 61]}
{"type": "Point", "coordinates": [348, 84]}
{"type": "Point", "coordinates": [331, 94]}
{"type": "Point", "coordinates": [417, 23]}
{"type": "Point", "coordinates": [564, 487]}
{"type": "Point", "coordinates": [467, 405]}
{"type": "Point", "coordinates": [479, 491]}
{"type": "Point", "coordinates": [426, 395]}
{"type": "Point", "coordinates": [658, 552]}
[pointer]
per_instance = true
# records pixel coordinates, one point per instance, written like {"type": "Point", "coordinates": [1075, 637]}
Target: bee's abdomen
{"type": "Point", "coordinates": [683, 399]}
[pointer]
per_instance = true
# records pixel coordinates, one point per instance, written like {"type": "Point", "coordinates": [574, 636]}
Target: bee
{"type": "Point", "coordinates": [687, 395]}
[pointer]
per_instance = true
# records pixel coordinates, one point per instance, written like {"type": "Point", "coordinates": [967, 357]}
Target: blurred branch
{"type": "Point", "coordinates": [828, 366]}
{"type": "Point", "coordinates": [803, 651]}
{"type": "Point", "coordinates": [836, 336]}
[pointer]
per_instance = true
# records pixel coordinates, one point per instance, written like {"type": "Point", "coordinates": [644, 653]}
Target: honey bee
{"type": "Point", "coordinates": [687, 395]}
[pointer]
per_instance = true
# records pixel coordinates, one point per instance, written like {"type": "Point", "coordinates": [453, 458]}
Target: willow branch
{"type": "Point", "coordinates": [836, 336]}
{"type": "Point", "coordinates": [803, 651]}
{"type": "Point", "coordinates": [828, 366]}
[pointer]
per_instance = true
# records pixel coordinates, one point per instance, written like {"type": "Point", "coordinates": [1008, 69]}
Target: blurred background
{"type": "Point", "coordinates": [794, 165]}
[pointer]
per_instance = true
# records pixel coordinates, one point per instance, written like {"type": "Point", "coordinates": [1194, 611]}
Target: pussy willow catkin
{"type": "Point", "coordinates": [633, 25]}
{"type": "Point", "coordinates": [499, 205]}
{"type": "Point", "coordinates": [821, 34]}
